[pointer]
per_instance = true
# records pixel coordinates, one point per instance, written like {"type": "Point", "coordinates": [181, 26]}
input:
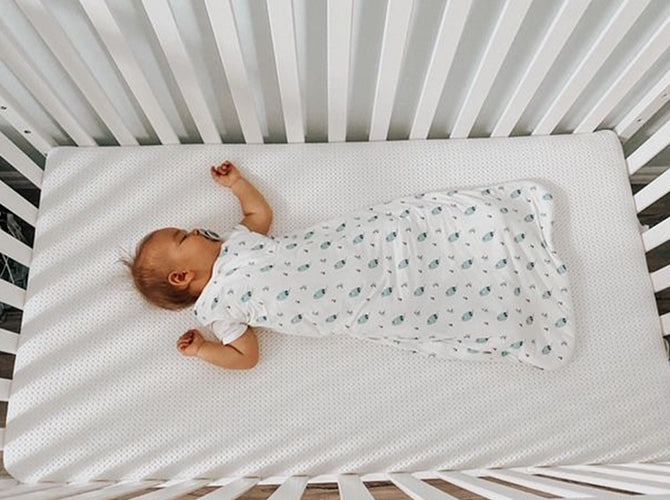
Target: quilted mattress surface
{"type": "Point", "coordinates": [101, 392]}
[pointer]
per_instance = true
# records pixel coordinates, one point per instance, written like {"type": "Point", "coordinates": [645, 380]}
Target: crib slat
{"type": "Point", "coordinates": [625, 472]}
{"type": "Point", "coordinates": [12, 294]}
{"type": "Point", "coordinates": [60, 45]}
{"type": "Point", "coordinates": [5, 386]}
{"type": "Point", "coordinates": [665, 323]}
{"type": "Point", "coordinates": [660, 279]}
{"type": "Point", "coordinates": [23, 489]}
{"type": "Point", "coordinates": [222, 21]}
{"type": "Point", "coordinates": [280, 14]}
{"type": "Point", "coordinates": [107, 28]}
{"type": "Point", "coordinates": [291, 489]}
{"type": "Point", "coordinates": [352, 488]}
{"type": "Point", "coordinates": [657, 235]}
{"type": "Point", "coordinates": [14, 114]}
{"type": "Point", "coordinates": [644, 466]}
{"type": "Point", "coordinates": [398, 15]}
{"type": "Point", "coordinates": [17, 61]}
{"type": "Point", "coordinates": [608, 495]}
{"type": "Point", "coordinates": [451, 28]}
{"type": "Point", "coordinates": [558, 33]}
{"type": "Point", "coordinates": [600, 479]}
{"type": "Point", "coordinates": [62, 491]}
{"type": "Point", "coordinates": [551, 486]}
{"type": "Point", "coordinates": [233, 490]}
{"type": "Point", "coordinates": [509, 22]}
{"type": "Point", "coordinates": [20, 161]}
{"type": "Point", "coordinates": [652, 192]}
{"type": "Point", "coordinates": [173, 491]}
{"type": "Point", "coordinates": [339, 46]}
{"type": "Point", "coordinates": [416, 488]}
{"type": "Point", "coordinates": [162, 20]}
{"type": "Point", "coordinates": [17, 204]}
{"type": "Point", "coordinates": [15, 249]}
{"type": "Point", "coordinates": [9, 341]}
{"type": "Point", "coordinates": [7, 483]}
{"type": "Point", "coordinates": [646, 107]}
{"type": "Point", "coordinates": [606, 42]}
{"type": "Point", "coordinates": [115, 491]}
{"type": "Point", "coordinates": [630, 75]}
{"type": "Point", "coordinates": [650, 148]}
{"type": "Point", "coordinates": [487, 489]}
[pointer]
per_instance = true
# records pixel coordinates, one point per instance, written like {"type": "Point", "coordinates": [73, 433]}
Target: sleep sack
{"type": "Point", "coordinates": [467, 274]}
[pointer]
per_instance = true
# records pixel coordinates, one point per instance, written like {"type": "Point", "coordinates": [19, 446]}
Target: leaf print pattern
{"type": "Point", "coordinates": [460, 274]}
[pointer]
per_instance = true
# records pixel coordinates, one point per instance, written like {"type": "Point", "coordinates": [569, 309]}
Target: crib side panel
{"type": "Point", "coordinates": [659, 234]}
{"type": "Point", "coordinates": [159, 72]}
{"type": "Point", "coordinates": [646, 481]}
{"type": "Point", "coordinates": [165, 72]}
{"type": "Point", "coordinates": [18, 216]}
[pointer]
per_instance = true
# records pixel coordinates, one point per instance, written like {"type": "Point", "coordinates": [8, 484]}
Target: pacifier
{"type": "Point", "coordinates": [209, 234]}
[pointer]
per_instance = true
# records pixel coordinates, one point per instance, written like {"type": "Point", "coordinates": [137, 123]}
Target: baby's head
{"type": "Point", "coordinates": [171, 266]}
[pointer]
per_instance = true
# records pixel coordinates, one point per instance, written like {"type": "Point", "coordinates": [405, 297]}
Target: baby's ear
{"type": "Point", "coordinates": [181, 279]}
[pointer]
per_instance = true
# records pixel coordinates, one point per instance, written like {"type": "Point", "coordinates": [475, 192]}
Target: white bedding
{"type": "Point", "coordinates": [100, 391]}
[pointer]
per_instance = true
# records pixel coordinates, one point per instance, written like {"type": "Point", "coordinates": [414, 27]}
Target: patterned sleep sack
{"type": "Point", "coordinates": [466, 274]}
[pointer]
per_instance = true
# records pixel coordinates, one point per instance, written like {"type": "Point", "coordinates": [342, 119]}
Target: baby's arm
{"type": "Point", "coordinates": [241, 354]}
{"type": "Point", "coordinates": [257, 212]}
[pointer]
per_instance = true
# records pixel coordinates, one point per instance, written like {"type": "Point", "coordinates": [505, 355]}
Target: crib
{"type": "Point", "coordinates": [78, 75]}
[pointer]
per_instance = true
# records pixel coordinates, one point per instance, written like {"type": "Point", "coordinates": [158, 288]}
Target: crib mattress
{"type": "Point", "coordinates": [100, 391]}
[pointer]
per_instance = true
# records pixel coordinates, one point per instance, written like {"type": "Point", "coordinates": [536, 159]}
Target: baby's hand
{"type": "Point", "coordinates": [189, 343]}
{"type": "Point", "coordinates": [225, 174]}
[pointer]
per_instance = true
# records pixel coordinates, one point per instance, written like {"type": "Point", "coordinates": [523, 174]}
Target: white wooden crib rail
{"type": "Point", "coordinates": [647, 481]}
{"type": "Point", "coordinates": [37, 107]}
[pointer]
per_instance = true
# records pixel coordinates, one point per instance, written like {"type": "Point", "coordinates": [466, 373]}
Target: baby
{"type": "Point", "coordinates": [456, 274]}
{"type": "Point", "coordinates": [172, 267]}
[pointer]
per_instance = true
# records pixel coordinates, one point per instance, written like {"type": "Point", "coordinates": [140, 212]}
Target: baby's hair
{"type": "Point", "coordinates": [151, 279]}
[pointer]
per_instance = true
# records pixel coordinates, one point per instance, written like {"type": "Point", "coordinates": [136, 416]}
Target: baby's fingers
{"type": "Point", "coordinates": [186, 337]}
{"type": "Point", "coordinates": [225, 166]}
{"type": "Point", "coordinates": [186, 340]}
{"type": "Point", "coordinates": [219, 172]}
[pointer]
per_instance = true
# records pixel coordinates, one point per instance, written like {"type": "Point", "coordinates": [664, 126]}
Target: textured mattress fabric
{"type": "Point", "coordinates": [456, 274]}
{"type": "Point", "coordinates": [100, 391]}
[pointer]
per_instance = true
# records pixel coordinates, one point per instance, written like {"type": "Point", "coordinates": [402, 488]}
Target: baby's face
{"type": "Point", "coordinates": [188, 250]}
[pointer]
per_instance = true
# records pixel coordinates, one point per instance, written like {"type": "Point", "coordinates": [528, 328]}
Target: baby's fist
{"type": "Point", "coordinates": [225, 174]}
{"type": "Point", "coordinates": [189, 343]}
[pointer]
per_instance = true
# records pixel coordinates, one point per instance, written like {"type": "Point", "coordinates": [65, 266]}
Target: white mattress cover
{"type": "Point", "coordinates": [100, 391]}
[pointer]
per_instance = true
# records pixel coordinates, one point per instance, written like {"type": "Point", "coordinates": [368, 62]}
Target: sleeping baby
{"type": "Point", "coordinates": [467, 274]}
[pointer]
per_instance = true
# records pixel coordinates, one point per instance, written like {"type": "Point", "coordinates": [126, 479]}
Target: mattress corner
{"type": "Point", "coordinates": [9, 462]}
{"type": "Point", "coordinates": [56, 152]}
{"type": "Point", "coordinates": [610, 135]}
